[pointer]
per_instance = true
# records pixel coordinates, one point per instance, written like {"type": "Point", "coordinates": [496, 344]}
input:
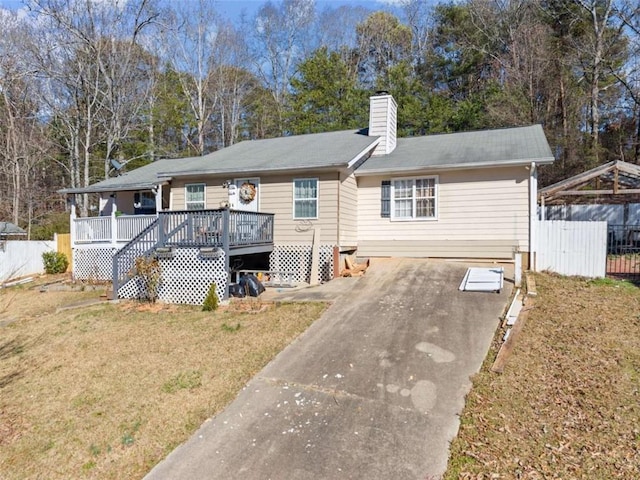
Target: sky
{"type": "Point", "coordinates": [232, 9]}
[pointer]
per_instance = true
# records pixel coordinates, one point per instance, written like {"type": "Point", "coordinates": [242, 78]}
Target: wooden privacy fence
{"type": "Point", "coordinates": [572, 248]}
{"type": "Point", "coordinates": [63, 241]}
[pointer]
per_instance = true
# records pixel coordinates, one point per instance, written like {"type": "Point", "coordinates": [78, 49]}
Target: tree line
{"type": "Point", "coordinates": [87, 84]}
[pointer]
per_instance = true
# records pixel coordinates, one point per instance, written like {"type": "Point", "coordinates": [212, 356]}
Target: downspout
{"type": "Point", "coordinates": [533, 214]}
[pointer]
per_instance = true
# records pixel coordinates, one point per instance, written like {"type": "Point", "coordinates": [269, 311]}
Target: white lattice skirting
{"type": "Point", "coordinates": [93, 264]}
{"type": "Point", "coordinates": [185, 278]}
{"type": "Point", "coordinates": [297, 259]}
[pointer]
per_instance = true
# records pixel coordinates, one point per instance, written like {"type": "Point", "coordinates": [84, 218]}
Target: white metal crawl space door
{"type": "Point", "coordinates": [478, 279]}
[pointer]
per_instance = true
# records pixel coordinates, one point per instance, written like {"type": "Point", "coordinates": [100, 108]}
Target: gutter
{"type": "Point", "coordinates": [190, 173]}
{"type": "Point", "coordinates": [458, 166]}
{"type": "Point", "coordinates": [115, 188]}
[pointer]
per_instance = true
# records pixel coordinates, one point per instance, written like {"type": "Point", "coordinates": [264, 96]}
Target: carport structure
{"type": "Point", "coordinates": [611, 186]}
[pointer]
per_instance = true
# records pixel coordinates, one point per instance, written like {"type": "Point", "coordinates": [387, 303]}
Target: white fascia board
{"type": "Point", "coordinates": [366, 150]}
{"type": "Point", "coordinates": [448, 166]}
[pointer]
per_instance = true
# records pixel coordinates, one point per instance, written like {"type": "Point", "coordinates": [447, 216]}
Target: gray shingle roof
{"type": "Point", "coordinates": [486, 148]}
{"type": "Point", "coordinates": [313, 151]}
{"type": "Point", "coordinates": [141, 178]}
{"type": "Point", "coordinates": [8, 228]}
{"type": "Point", "coordinates": [508, 146]}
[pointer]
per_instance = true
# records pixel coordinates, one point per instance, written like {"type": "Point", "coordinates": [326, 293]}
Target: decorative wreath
{"type": "Point", "coordinates": [247, 192]}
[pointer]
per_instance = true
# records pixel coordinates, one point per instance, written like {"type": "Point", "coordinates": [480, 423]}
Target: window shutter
{"type": "Point", "coordinates": [385, 199]}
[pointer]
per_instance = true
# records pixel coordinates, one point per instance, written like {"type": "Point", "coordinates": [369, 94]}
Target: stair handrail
{"type": "Point", "coordinates": [121, 255]}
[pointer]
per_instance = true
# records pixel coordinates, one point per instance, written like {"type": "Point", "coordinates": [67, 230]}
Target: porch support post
{"type": "Point", "coordinates": [158, 192]}
{"type": "Point", "coordinates": [72, 231]}
{"type": "Point", "coordinates": [225, 247]}
{"type": "Point", "coordinates": [72, 223]}
{"type": "Point", "coordinates": [114, 230]}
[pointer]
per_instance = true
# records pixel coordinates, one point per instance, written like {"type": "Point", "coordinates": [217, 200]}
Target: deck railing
{"type": "Point", "coordinates": [109, 229]}
{"type": "Point", "coordinates": [225, 229]}
{"type": "Point", "coordinates": [210, 228]}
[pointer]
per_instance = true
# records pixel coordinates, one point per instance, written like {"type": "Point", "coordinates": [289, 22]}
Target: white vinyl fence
{"type": "Point", "coordinates": [22, 258]}
{"type": "Point", "coordinates": [572, 248]}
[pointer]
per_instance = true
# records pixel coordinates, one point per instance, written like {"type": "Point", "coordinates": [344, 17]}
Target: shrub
{"type": "Point", "coordinates": [211, 301]}
{"type": "Point", "coordinates": [149, 272]}
{"type": "Point", "coordinates": [55, 262]}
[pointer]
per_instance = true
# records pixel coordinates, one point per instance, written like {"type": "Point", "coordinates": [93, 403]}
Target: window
{"type": "Point", "coordinates": [413, 198]}
{"type": "Point", "coordinates": [305, 198]}
{"type": "Point", "coordinates": [194, 196]}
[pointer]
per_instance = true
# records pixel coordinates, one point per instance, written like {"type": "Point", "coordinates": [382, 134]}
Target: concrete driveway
{"type": "Point", "coordinates": [372, 390]}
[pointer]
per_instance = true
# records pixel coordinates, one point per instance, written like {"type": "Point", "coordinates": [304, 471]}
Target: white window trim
{"type": "Point", "coordinates": [204, 191]}
{"type": "Point", "coordinates": [436, 192]}
{"type": "Point", "coordinates": [293, 198]}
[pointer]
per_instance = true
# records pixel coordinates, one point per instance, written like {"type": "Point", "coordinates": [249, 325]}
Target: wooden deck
{"type": "Point", "coordinates": [238, 231]}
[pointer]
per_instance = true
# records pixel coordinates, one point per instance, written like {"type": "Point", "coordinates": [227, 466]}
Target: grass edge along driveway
{"type": "Point", "coordinates": [568, 402]}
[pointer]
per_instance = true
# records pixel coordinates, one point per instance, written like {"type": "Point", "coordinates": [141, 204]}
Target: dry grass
{"type": "Point", "coordinates": [568, 404]}
{"type": "Point", "coordinates": [107, 391]}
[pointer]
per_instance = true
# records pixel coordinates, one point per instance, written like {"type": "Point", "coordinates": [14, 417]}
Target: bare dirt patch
{"type": "Point", "coordinates": [568, 403]}
{"type": "Point", "coordinates": [107, 391]}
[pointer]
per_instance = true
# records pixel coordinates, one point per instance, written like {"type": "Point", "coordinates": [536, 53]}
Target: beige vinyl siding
{"type": "Point", "coordinates": [348, 206]}
{"type": "Point", "coordinates": [124, 202]}
{"type": "Point", "coordinates": [275, 195]}
{"type": "Point", "coordinates": [213, 192]}
{"type": "Point", "coordinates": [481, 213]}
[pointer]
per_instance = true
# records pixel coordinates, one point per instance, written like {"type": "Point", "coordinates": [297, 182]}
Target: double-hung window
{"type": "Point", "coordinates": [194, 196]}
{"type": "Point", "coordinates": [414, 198]}
{"type": "Point", "coordinates": [305, 198]}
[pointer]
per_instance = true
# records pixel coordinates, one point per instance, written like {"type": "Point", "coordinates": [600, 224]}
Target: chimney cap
{"type": "Point", "coordinates": [381, 93]}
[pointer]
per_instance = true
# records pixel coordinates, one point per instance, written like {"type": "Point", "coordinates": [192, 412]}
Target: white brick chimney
{"type": "Point", "coordinates": [383, 117]}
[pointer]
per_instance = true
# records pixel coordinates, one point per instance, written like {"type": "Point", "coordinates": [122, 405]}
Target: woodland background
{"type": "Point", "coordinates": [83, 82]}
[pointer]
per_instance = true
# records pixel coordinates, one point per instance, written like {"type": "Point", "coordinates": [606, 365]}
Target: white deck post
{"type": "Point", "coordinates": [72, 225]}
{"type": "Point", "coordinates": [114, 229]}
{"type": "Point", "coordinates": [158, 192]}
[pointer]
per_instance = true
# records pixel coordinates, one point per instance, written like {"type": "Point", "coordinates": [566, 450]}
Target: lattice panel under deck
{"type": "Point", "coordinates": [186, 278]}
{"type": "Point", "coordinates": [93, 264]}
{"type": "Point", "coordinates": [297, 259]}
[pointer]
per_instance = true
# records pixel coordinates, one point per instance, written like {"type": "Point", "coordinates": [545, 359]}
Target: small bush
{"type": "Point", "coordinates": [150, 274]}
{"type": "Point", "coordinates": [55, 262]}
{"type": "Point", "coordinates": [211, 301]}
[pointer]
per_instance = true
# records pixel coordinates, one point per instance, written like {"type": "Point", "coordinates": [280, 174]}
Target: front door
{"type": "Point", "coordinates": [248, 192]}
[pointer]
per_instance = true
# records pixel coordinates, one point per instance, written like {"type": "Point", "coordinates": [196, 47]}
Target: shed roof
{"type": "Point", "coordinates": [617, 181]}
{"type": "Point", "coordinates": [10, 229]}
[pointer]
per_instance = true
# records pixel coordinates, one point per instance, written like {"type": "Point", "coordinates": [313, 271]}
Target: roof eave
{"type": "Point", "coordinates": [117, 188]}
{"type": "Point", "coordinates": [457, 166]}
{"type": "Point", "coordinates": [245, 172]}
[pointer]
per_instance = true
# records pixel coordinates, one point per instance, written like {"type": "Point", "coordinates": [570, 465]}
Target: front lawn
{"type": "Point", "coordinates": [568, 403]}
{"type": "Point", "coordinates": [107, 391]}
